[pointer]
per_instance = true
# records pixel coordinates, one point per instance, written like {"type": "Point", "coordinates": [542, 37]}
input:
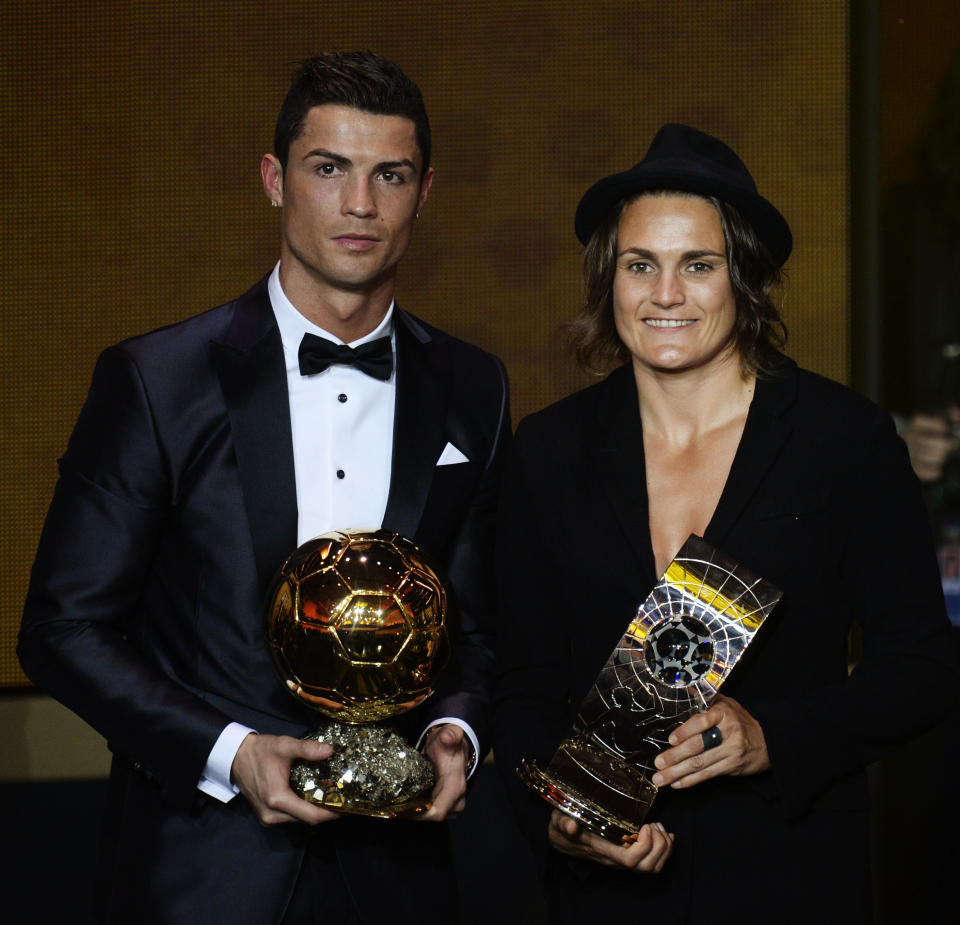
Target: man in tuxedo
{"type": "Point", "coordinates": [205, 452]}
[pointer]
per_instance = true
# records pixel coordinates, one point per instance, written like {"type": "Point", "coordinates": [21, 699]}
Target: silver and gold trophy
{"type": "Point", "coordinates": [356, 626]}
{"type": "Point", "coordinates": [682, 643]}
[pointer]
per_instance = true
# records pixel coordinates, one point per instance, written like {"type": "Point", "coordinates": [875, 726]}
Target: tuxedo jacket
{"type": "Point", "coordinates": [176, 503]}
{"type": "Point", "coordinates": [821, 501]}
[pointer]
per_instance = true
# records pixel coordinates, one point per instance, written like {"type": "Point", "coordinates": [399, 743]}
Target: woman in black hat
{"type": "Point", "coordinates": [705, 428]}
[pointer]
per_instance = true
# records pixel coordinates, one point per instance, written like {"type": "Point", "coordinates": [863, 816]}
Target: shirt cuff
{"type": "Point", "coordinates": [215, 780]}
{"type": "Point", "coordinates": [468, 731]}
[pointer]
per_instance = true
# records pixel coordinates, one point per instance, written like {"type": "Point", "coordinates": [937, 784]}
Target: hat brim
{"type": "Point", "coordinates": [771, 227]}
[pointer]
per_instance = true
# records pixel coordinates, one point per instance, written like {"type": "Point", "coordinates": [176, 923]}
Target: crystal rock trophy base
{"type": "Point", "coordinates": [685, 639]}
{"type": "Point", "coordinates": [373, 771]}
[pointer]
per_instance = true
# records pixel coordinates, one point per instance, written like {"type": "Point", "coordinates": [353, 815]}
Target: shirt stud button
{"type": "Point", "coordinates": [342, 397]}
{"type": "Point", "coordinates": [341, 474]}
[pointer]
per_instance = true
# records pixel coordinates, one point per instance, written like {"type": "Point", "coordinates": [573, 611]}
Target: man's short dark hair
{"type": "Point", "coordinates": [359, 79]}
{"type": "Point", "coordinates": [758, 330]}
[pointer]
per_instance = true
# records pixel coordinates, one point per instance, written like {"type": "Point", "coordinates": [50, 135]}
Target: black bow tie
{"type": "Point", "coordinates": [374, 358]}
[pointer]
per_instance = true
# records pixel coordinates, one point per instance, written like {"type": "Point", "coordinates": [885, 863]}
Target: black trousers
{"type": "Point", "coordinates": [321, 895]}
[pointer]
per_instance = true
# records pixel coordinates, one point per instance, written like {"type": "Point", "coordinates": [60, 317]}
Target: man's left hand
{"type": "Point", "coordinates": [742, 750]}
{"type": "Point", "coordinates": [448, 750]}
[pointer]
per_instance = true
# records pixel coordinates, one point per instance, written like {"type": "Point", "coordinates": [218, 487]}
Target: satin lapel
{"type": "Point", "coordinates": [252, 374]}
{"type": "Point", "coordinates": [620, 469]}
{"type": "Point", "coordinates": [764, 435]}
{"type": "Point", "coordinates": [418, 433]}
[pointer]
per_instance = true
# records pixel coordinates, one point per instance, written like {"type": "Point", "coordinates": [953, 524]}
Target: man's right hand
{"type": "Point", "coordinates": [261, 769]}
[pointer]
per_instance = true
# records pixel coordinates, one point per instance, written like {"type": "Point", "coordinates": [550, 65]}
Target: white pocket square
{"type": "Point", "coordinates": [450, 456]}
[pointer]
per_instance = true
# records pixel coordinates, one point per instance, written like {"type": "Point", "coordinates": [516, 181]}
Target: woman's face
{"type": "Point", "coordinates": [673, 305]}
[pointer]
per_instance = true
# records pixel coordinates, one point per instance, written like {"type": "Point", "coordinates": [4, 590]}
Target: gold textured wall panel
{"type": "Point", "coordinates": [132, 132]}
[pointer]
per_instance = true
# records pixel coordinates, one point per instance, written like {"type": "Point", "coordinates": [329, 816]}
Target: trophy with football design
{"type": "Point", "coordinates": [356, 626]}
{"type": "Point", "coordinates": [680, 646]}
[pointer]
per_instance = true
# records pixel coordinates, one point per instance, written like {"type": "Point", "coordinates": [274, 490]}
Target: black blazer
{"type": "Point", "coordinates": [821, 501]}
{"type": "Point", "coordinates": [175, 504]}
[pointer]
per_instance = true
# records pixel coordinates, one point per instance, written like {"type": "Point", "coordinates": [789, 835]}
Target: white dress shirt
{"type": "Point", "coordinates": [341, 422]}
{"type": "Point", "coordinates": [342, 426]}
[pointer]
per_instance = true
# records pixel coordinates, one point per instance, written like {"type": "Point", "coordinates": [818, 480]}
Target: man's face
{"type": "Point", "coordinates": [350, 194]}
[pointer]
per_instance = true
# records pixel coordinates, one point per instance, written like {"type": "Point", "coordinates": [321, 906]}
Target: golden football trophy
{"type": "Point", "coordinates": [683, 641]}
{"type": "Point", "coordinates": [356, 626]}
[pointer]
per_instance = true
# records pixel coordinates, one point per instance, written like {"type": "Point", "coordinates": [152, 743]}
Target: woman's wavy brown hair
{"type": "Point", "coordinates": [758, 330]}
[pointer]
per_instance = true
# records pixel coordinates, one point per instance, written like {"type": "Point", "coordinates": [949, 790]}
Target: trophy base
{"type": "Point", "coordinates": [373, 771]}
{"type": "Point", "coordinates": [604, 793]}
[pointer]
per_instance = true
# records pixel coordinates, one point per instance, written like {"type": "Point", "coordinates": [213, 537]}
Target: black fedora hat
{"type": "Point", "coordinates": [686, 159]}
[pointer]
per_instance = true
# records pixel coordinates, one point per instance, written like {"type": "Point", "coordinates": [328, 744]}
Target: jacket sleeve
{"type": "Point", "coordinates": [905, 678]}
{"type": "Point", "coordinates": [466, 690]}
{"type": "Point", "coordinates": [532, 702]}
{"type": "Point", "coordinates": [79, 636]}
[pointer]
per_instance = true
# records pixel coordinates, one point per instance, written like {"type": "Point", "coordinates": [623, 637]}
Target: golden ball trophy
{"type": "Point", "coordinates": [356, 626]}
